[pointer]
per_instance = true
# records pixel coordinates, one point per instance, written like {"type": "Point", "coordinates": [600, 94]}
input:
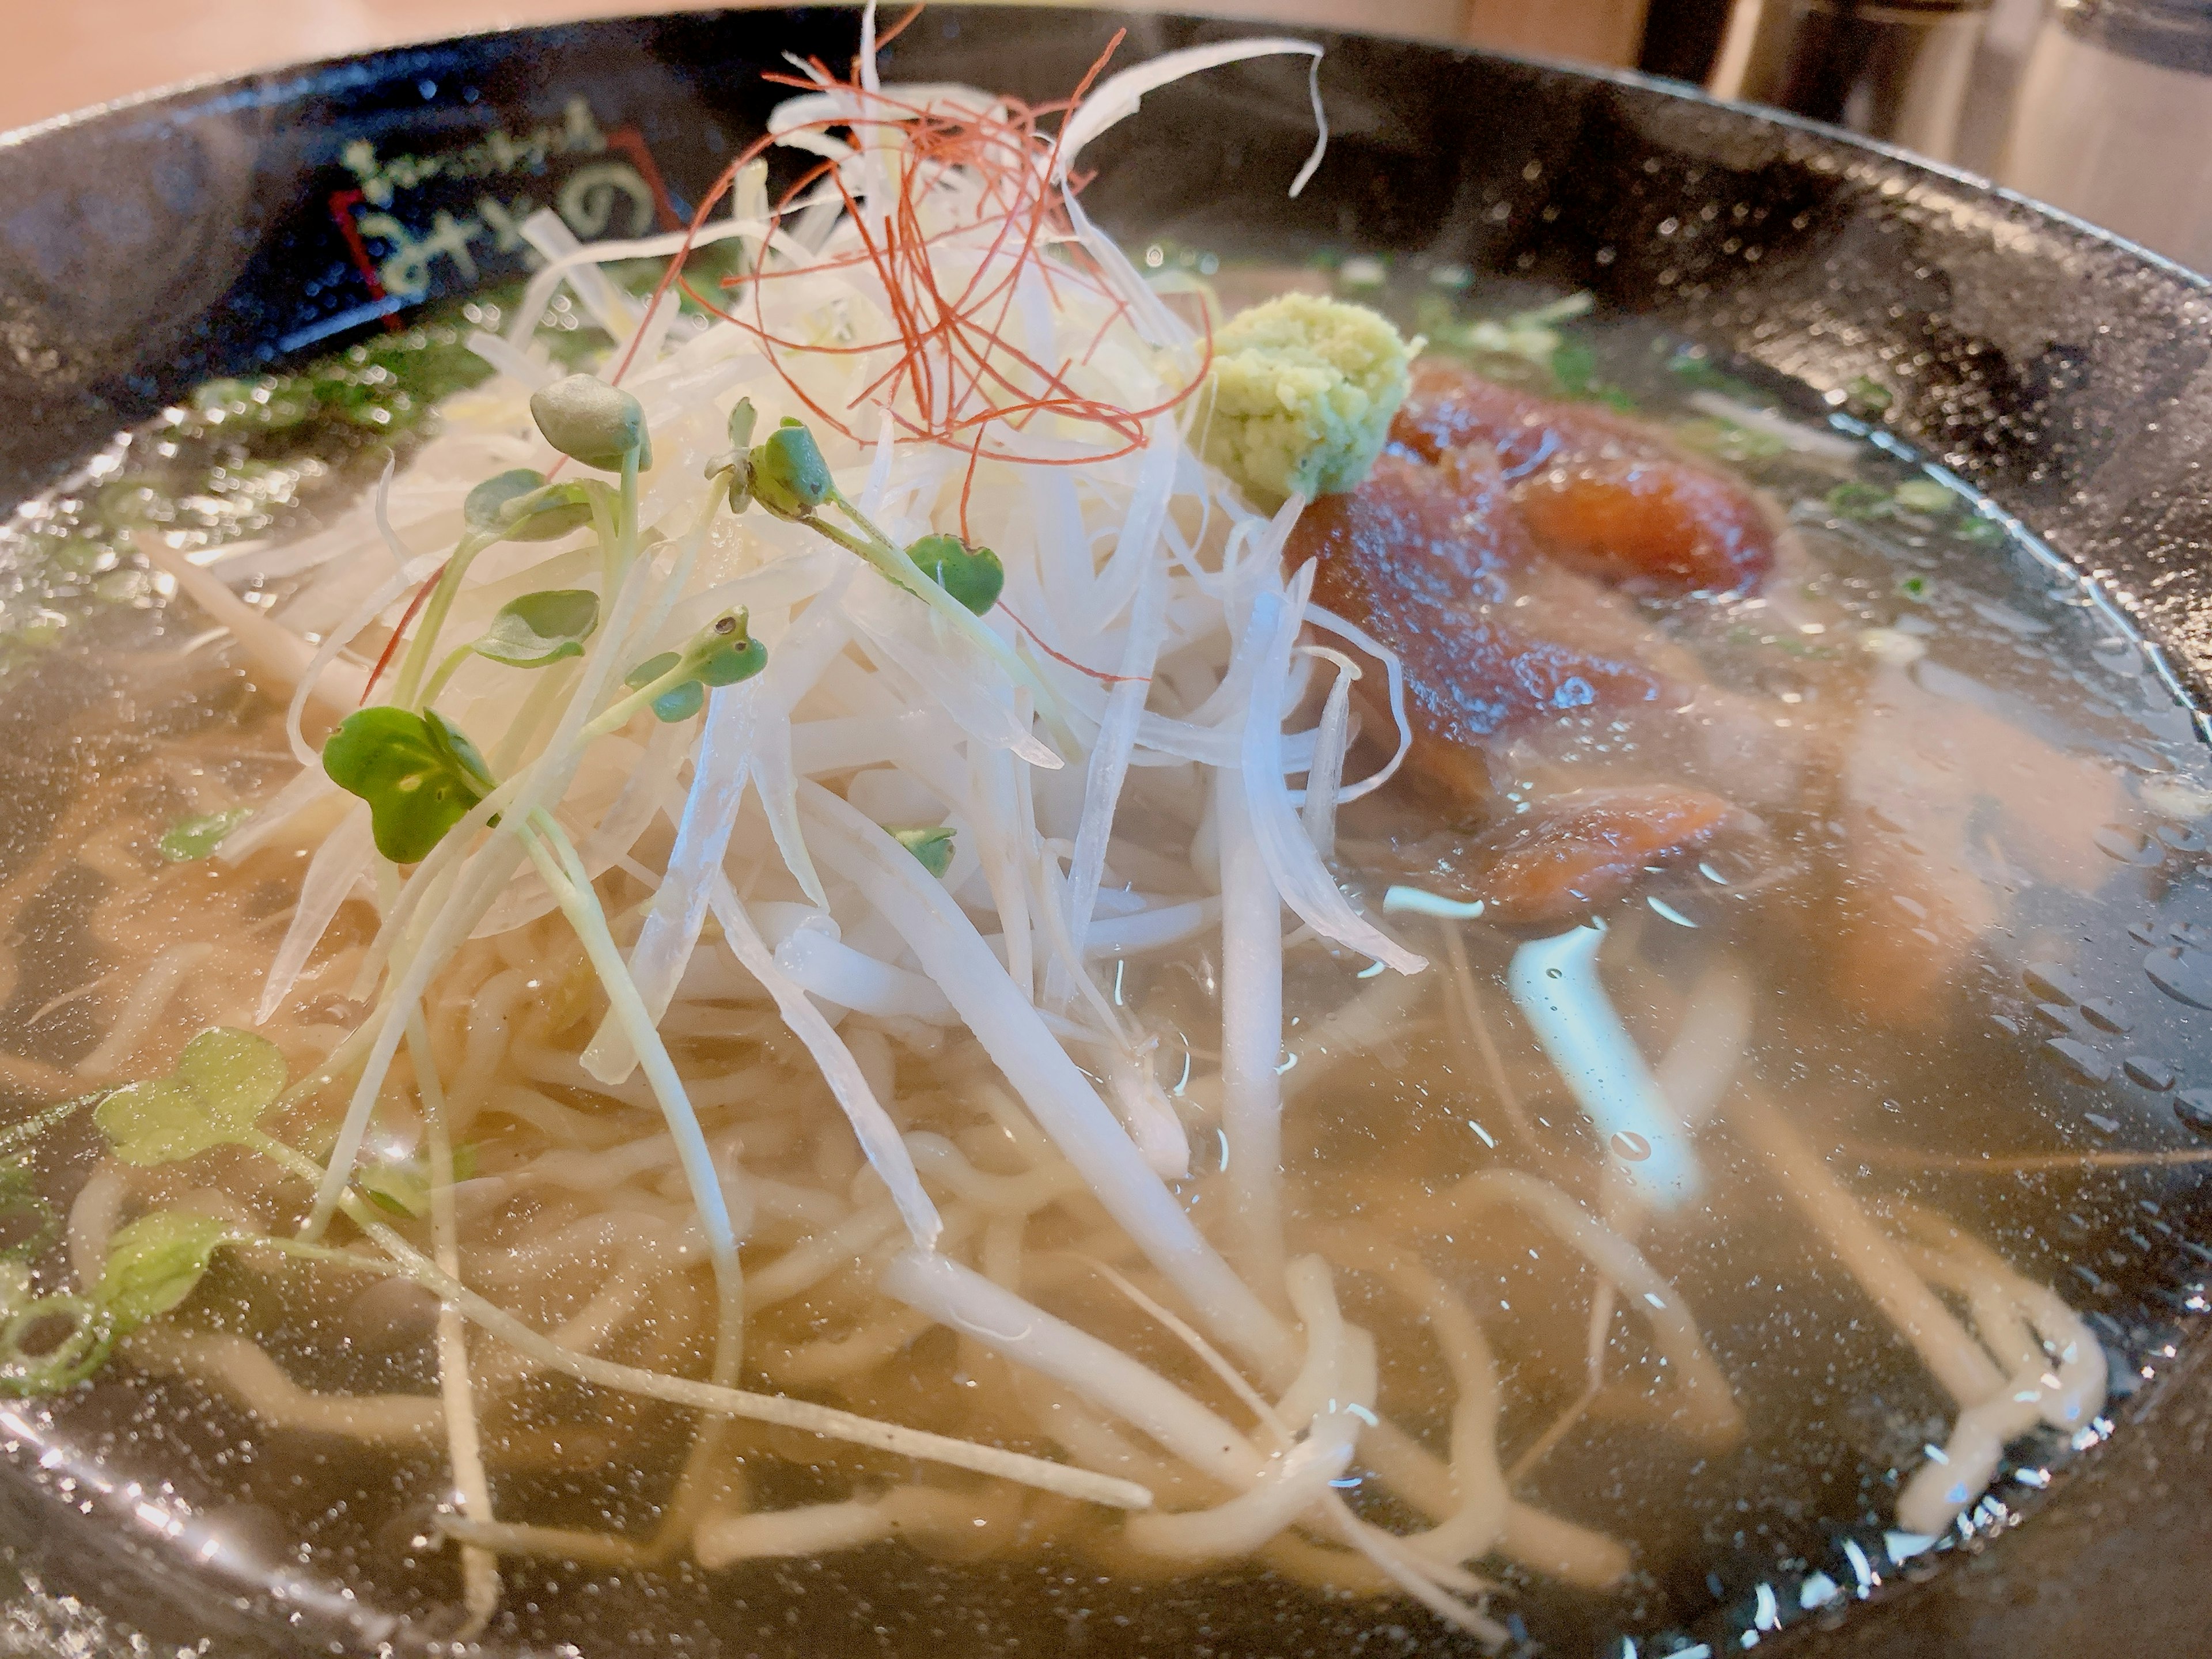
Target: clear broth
{"type": "Point", "coordinates": [2049, 1041]}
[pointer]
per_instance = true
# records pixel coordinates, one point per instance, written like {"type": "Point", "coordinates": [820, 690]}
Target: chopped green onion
{"type": "Point", "coordinates": [931, 845]}
{"type": "Point", "coordinates": [1869, 394]}
{"type": "Point", "coordinates": [1925, 496]}
{"type": "Point", "coordinates": [20, 1200]}
{"type": "Point", "coordinates": [62, 1358]}
{"type": "Point", "coordinates": [403, 1189]}
{"type": "Point", "coordinates": [1857, 500]}
{"type": "Point", "coordinates": [1694, 367]}
{"type": "Point", "coordinates": [197, 836]}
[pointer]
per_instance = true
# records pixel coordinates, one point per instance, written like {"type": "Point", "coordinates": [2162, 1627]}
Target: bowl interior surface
{"type": "Point", "coordinates": [227, 230]}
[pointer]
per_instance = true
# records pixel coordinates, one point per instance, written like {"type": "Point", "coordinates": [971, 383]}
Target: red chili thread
{"type": "Point", "coordinates": [967, 484]}
{"type": "Point", "coordinates": [1038, 640]}
{"type": "Point", "coordinates": [391, 645]}
{"type": "Point", "coordinates": [631, 142]}
{"type": "Point", "coordinates": [342, 202]}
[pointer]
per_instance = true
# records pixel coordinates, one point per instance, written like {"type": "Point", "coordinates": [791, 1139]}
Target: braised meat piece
{"type": "Point", "coordinates": [1573, 854]}
{"type": "Point", "coordinates": [1593, 487]}
{"type": "Point", "coordinates": [1483, 549]}
{"type": "Point", "coordinates": [1423, 558]}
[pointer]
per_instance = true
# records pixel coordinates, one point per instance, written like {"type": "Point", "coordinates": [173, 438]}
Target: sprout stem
{"type": "Point", "coordinates": [890, 561]}
{"type": "Point", "coordinates": [564, 876]}
{"type": "Point", "coordinates": [626, 708]}
{"type": "Point", "coordinates": [480, 1585]}
{"type": "Point", "coordinates": [445, 671]}
{"type": "Point", "coordinates": [443, 594]}
{"type": "Point", "coordinates": [625, 521]}
{"type": "Point", "coordinates": [1251, 1038]}
{"type": "Point", "coordinates": [31, 1128]}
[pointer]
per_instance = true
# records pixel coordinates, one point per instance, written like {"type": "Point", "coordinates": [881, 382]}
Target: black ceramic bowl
{"type": "Point", "coordinates": [147, 247]}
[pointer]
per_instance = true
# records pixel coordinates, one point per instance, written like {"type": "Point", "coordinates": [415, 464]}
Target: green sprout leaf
{"type": "Point", "coordinates": [722, 654]}
{"type": "Point", "coordinates": [1857, 500]}
{"type": "Point", "coordinates": [736, 468]}
{"type": "Point", "coordinates": [726, 652]}
{"type": "Point", "coordinates": [197, 836]}
{"type": "Point", "coordinates": [403, 1189]}
{"type": "Point", "coordinates": [538, 628]}
{"type": "Point", "coordinates": [790, 478]}
{"type": "Point", "coordinates": [680, 702]}
{"type": "Point", "coordinates": [1914, 587]}
{"type": "Point", "coordinates": [419, 774]}
{"type": "Point", "coordinates": [1693, 367]}
{"type": "Point", "coordinates": [224, 1080]}
{"type": "Point", "coordinates": [589, 421]}
{"type": "Point", "coordinates": [1729, 441]}
{"type": "Point", "coordinates": [728, 663]}
{"type": "Point", "coordinates": [973, 575]}
{"type": "Point", "coordinates": [48, 1343]}
{"type": "Point", "coordinates": [155, 1263]}
{"type": "Point", "coordinates": [24, 1212]}
{"type": "Point", "coordinates": [931, 845]}
{"type": "Point", "coordinates": [484, 511]}
{"type": "Point", "coordinates": [1574, 366]}
{"type": "Point", "coordinates": [521, 506]}
{"type": "Point", "coordinates": [737, 461]}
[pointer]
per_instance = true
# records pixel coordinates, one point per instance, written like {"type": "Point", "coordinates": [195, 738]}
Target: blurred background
{"type": "Point", "coordinates": [2103, 107]}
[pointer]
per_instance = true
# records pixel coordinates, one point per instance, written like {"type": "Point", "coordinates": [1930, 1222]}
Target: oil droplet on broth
{"type": "Point", "coordinates": [2128, 845]}
{"type": "Point", "coordinates": [2081, 1059]}
{"type": "Point", "coordinates": [2106, 1016]}
{"type": "Point", "coordinates": [2149, 1073]}
{"type": "Point", "coordinates": [2182, 975]}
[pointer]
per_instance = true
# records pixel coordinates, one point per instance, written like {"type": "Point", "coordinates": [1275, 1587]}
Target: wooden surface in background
{"type": "Point", "coordinates": [70, 54]}
{"type": "Point", "coordinates": [1597, 30]}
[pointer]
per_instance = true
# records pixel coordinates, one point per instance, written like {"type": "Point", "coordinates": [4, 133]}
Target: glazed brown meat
{"type": "Point", "coordinates": [1480, 549]}
{"type": "Point", "coordinates": [1420, 555]}
{"type": "Point", "coordinates": [1573, 854]}
{"type": "Point", "coordinates": [1591, 846]}
{"type": "Point", "coordinates": [1593, 487]}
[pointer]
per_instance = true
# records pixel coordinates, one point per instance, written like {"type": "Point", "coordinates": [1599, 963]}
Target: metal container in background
{"type": "Point", "coordinates": [1898, 71]}
{"type": "Point", "coordinates": [2114, 121]}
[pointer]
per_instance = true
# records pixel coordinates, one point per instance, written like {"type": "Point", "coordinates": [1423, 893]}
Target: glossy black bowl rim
{"type": "Point", "coordinates": [271, 81]}
{"type": "Point", "coordinates": [1688, 92]}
